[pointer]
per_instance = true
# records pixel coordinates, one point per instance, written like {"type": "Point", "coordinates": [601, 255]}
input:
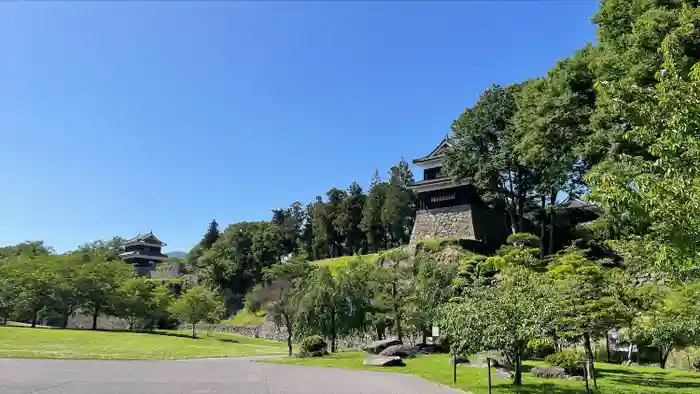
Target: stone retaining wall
{"type": "Point", "coordinates": [455, 222]}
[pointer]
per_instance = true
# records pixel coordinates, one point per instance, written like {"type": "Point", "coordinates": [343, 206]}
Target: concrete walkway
{"type": "Point", "coordinates": [232, 375]}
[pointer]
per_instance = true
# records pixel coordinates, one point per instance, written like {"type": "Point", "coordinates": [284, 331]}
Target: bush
{"type": "Point", "coordinates": [313, 346]}
{"type": "Point", "coordinates": [696, 364]}
{"type": "Point", "coordinates": [571, 361]}
{"type": "Point", "coordinates": [540, 348]}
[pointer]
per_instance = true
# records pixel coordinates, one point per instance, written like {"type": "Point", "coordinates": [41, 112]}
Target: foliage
{"type": "Point", "coordinates": [211, 235]}
{"type": "Point", "coordinates": [133, 300]}
{"type": "Point", "coordinates": [197, 304]}
{"type": "Point", "coordinates": [674, 321]}
{"type": "Point", "coordinates": [501, 317]}
{"type": "Point", "coordinates": [236, 260]}
{"type": "Point", "coordinates": [482, 153]}
{"type": "Point", "coordinates": [278, 293]}
{"type": "Point", "coordinates": [312, 345]}
{"type": "Point", "coordinates": [570, 360]}
{"type": "Point", "coordinates": [584, 299]}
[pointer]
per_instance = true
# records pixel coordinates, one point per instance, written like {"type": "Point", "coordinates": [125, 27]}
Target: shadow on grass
{"type": "Point", "coordinates": [649, 381]}
{"type": "Point", "coordinates": [546, 388]}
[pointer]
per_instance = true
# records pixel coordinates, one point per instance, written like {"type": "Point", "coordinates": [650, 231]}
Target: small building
{"type": "Point", "coordinates": [143, 252]}
{"type": "Point", "coordinates": [452, 209]}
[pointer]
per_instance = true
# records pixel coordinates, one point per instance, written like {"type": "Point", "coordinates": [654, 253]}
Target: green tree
{"type": "Point", "coordinates": [197, 304]}
{"type": "Point", "coordinates": [27, 249]}
{"type": "Point", "coordinates": [158, 305]}
{"type": "Point", "coordinates": [673, 322]}
{"type": "Point", "coordinates": [371, 223]}
{"type": "Point", "coordinates": [631, 35]}
{"type": "Point", "coordinates": [35, 283]}
{"type": "Point", "coordinates": [585, 301]}
{"type": "Point", "coordinates": [552, 127]}
{"type": "Point", "coordinates": [334, 306]}
{"type": "Point", "coordinates": [211, 235]}
{"type": "Point", "coordinates": [66, 294]}
{"type": "Point", "coordinates": [236, 260]}
{"type": "Point", "coordinates": [9, 291]}
{"type": "Point", "coordinates": [348, 219]}
{"type": "Point", "coordinates": [399, 206]}
{"type": "Point", "coordinates": [277, 294]}
{"type": "Point", "coordinates": [482, 153]}
{"type": "Point", "coordinates": [133, 300]}
{"type": "Point", "coordinates": [657, 189]}
{"type": "Point", "coordinates": [431, 289]}
{"type": "Point", "coordinates": [99, 283]}
{"type": "Point", "coordinates": [503, 317]}
{"type": "Point", "coordinates": [290, 221]}
{"type": "Point", "coordinates": [395, 285]}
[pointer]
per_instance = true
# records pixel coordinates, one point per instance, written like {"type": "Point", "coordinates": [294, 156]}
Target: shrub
{"type": "Point", "coordinates": [540, 348]}
{"type": "Point", "coordinates": [571, 361]}
{"type": "Point", "coordinates": [313, 346]}
{"type": "Point", "coordinates": [696, 364]}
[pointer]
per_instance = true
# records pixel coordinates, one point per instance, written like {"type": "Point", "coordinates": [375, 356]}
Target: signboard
{"type": "Point", "coordinates": [436, 331]}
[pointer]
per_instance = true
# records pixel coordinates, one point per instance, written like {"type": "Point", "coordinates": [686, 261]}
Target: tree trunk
{"type": "Point", "coordinates": [95, 315]}
{"type": "Point", "coordinates": [552, 219]}
{"type": "Point", "coordinates": [64, 322]}
{"type": "Point", "coordinates": [333, 331]}
{"type": "Point", "coordinates": [34, 317]}
{"type": "Point", "coordinates": [518, 373]}
{"type": "Point", "coordinates": [664, 351]}
{"type": "Point", "coordinates": [629, 350]}
{"type": "Point", "coordinates": [194, 332]}
{"type": "Point", "coordinates": [424, 337]}
{"type": "Point", "coordinates": [288, 323]}
{"type": "Point", "coordinates": [607, 345]}
{"type": "Point", "coordinates": [589, 356]}
{"type": "Point", "coordinates": [397, 317]}
{"type": "Point", "coordinates": [543, 226]}
{"type": "Point", "coordinates": [521, 202]}
{"type": "Point", "coordinates": [379, 333]}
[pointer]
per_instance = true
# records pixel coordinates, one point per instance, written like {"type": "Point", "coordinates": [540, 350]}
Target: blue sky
{"type": "Point", "coordinates": [119, 118]}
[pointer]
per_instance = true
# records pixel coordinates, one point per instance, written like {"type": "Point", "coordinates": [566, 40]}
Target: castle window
{"type": "Point", "coordinates": [444, 197]}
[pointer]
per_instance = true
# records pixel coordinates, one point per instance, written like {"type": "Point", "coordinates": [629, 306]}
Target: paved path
{"type": "Point", "coordinates": [240, 376]}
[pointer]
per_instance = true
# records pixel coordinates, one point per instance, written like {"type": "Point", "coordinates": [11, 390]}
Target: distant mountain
{"type": "Point", "coordinates": [176, 254]}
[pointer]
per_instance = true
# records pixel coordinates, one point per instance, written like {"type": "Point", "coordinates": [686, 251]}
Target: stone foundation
{"type": "Point", "coordinates": [456, 222]}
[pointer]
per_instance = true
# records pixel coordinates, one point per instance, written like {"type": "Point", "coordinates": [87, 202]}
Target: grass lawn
{"type": "Point", "coordinates": [612, 379]}
{"type": "Point", "coordinates": [24, 342]}
{"type": "Point", "coordinates": [245, 318]}
{"type": "Point", "coordinates": [336, 263]}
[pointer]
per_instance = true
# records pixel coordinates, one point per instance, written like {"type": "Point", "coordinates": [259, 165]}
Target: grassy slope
{"type": "Point", "coordinates": [613, 379]}
{"type": "Point", "coordinates": [22, 342]}
{"type": "Point", "coordinates": [336, 263]}
{"type": "Point", "coordinates": [244, 318]}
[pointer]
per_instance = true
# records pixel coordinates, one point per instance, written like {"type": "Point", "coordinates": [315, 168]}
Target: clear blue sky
{"type": "Point", "coordinates": [119, 118]}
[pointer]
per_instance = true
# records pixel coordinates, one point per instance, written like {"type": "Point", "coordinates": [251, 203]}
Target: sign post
{"type": "Point", "coordinates": [488, 362]}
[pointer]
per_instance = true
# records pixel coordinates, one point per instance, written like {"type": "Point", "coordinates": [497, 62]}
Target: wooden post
{"type": "Point", "coordinates": [488, 363]}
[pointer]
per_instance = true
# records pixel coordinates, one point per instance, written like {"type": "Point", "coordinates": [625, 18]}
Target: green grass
{"type": "Point", "coordinates": [245, 318]}
{"type": "Point", "coordinates": [24, 342]}
{"type": "Point", "coordinates": [612, 379]}
{"type": "Point", "coordinates": [337, 263]}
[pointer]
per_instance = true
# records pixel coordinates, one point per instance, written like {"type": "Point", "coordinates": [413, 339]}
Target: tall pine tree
{"type": "Point", "coordinates": [372, 214]}
{"type": "Point", "coordinates": [211, 235]}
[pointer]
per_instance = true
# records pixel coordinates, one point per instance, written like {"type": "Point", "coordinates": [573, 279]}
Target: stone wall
{"type": "Point", "coordinates": [267, 330]}
{"type": "Point", "coordinates": [454, 222]}
{"type": "Point", "coordinates": [84, 321]}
